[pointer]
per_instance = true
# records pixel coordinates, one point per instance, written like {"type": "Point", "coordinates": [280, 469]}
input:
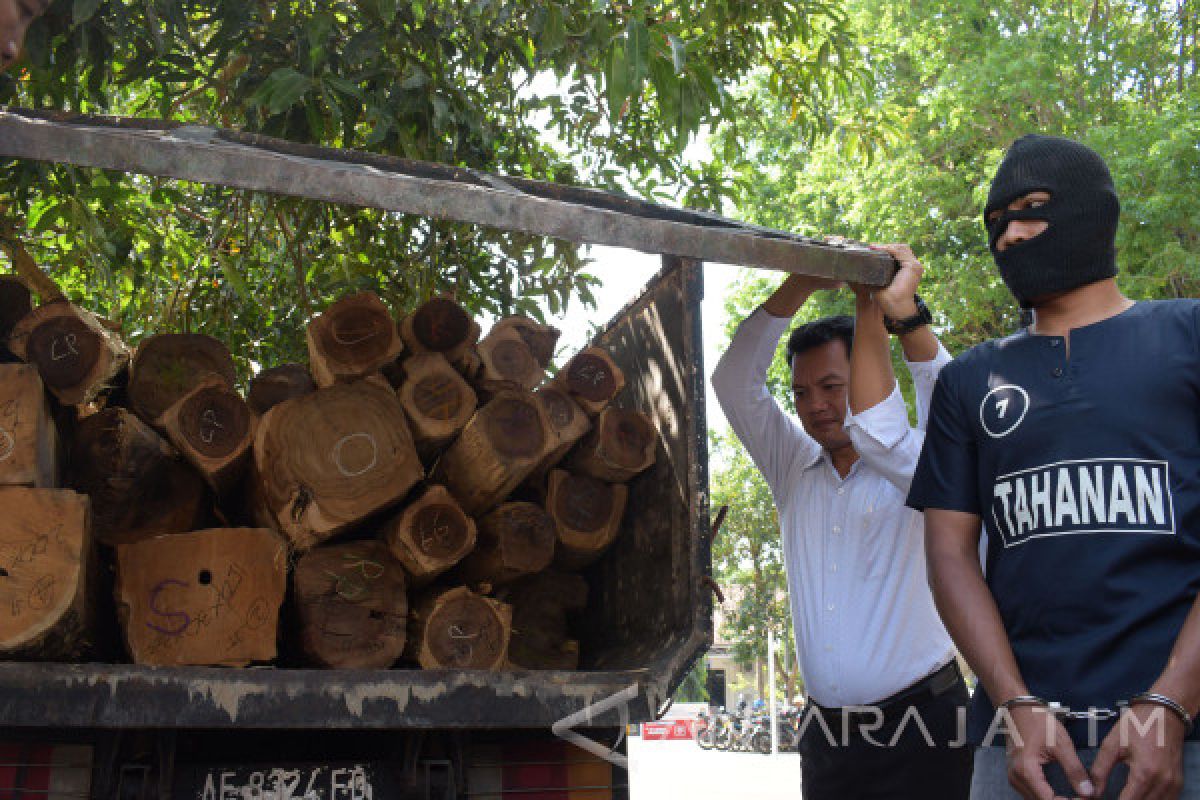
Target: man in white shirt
{"type": "Point", "coordinates": [867, 632]}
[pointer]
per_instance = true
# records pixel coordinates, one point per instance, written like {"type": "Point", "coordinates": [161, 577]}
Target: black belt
{"type": "Point", "coordinates": [894, 706]}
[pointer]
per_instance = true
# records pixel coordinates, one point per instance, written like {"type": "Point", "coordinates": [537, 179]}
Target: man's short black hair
{"type": "Point", "coordinates": [819, 332]}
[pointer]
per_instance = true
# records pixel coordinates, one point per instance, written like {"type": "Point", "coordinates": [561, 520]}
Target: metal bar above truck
{"type": "Point", "coordinates": [261, 163]}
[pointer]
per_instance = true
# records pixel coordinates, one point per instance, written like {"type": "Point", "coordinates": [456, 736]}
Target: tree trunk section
{"type": "Point", "coordinates": [15, 303]}
{"type": "Point", "coordinates": [501, 445]}
{"type": "Point", "coordinates": [568, 424]}
{"type": "Point", "coordinates": [541, 604]}
{"type": "Point", "coordinates": [213, 429]}
{"type": "Point", "coordinates": [353, 338]}
{"type": "Point", "coordinates": [272, 386]}
{"type": "Point", "coordinates": [74, 353]}
{"type": "Point", "coordinates": [170, 365]}
{"type": "Point", "coordinates": [46, 574]}
{"type": "Point", "coordinates": [441, 325]}
{"type": "Point", "coordinates": [352, 605]}
{"type": "Point", "coordinates": [326, 461]}
{"type": "Point", "coordinates": [28, 435]}
{"type": "Point", "coordinates": [622, 445]}
{"type": "Point", "coordinates": [592, 379]}
{"type": "Point", "coordinates": [430, 536]}
{"type": "Point", "coordinates": [459, 629]}
{"type": "Point", "coordinates": [437, 402]}
{"type": "Point", "coordinates": [209, 597]}
{"type": "Point", "coordinates": [506, 362]}
{"type": "Point", "coordinates": [515, 540]}
{"type": "Point", "coordinates": [587, 514]}
{"type": "Point", "coordinates": [138, 485]}
{"type": "Point", "coordinates": [541, 339]}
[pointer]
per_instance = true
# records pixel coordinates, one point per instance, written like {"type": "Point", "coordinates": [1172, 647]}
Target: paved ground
{"type": "Point", "coordinates": [666, 770]}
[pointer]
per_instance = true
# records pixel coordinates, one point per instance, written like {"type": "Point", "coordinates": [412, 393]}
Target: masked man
{"type": "Point", "coordinates": [1076, 443]}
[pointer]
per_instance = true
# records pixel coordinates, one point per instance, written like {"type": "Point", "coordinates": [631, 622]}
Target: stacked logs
{"type": "Point", "coordinates": [416, 494]}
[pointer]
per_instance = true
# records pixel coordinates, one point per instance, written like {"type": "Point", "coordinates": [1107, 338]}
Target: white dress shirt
{"type": "Point", "coordinates": [863, 615]}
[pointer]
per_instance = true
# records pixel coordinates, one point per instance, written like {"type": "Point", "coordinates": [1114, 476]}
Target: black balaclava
{"type": "Point", "coordinates": [1079, 245]}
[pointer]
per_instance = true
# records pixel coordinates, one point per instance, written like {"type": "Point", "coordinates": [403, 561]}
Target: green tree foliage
{"type": "Point", "coordinates": [587, 91]}
{"type": "Point", "coordinates": [955, 83]}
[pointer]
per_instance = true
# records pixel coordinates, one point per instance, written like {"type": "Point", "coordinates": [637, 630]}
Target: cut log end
{"type": "Point", "coordinates": [459, 629]}
{"type": "Point", "coordinates": [587, 513]}
{"type": "Point", "coordinates": [431, 535]}
{"type": "Point", "coordinates": [592, 378]}
{"type": "Point", "coordinates": [437, 401]}
{"type": "Point", "coordinates": [352, 606]}
{"type": "Point", "coordinates": [75, 355]}
{"type": "Point", "coordinates": [28, 435]}
{"type": "Point", "coordinates": [215, 422]}
{"type": "Point", "coordinates": [168, 366]}
{"type": "Point", "coordinates": [272, 386]}
{"type": "Point", "coordinates": [516, 539]}
{"type": "Point", "coordinates": [515, 428]}
{"type": "Point", "coordinates": [351, 339]}
{"type": "Point", "coordinates": [440, 325]}
{"type": "Point", "coordinates": [622, 445]}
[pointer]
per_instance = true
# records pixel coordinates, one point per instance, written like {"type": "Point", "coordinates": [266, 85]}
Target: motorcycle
{"type": "Point", "coordinates": [704, 731]}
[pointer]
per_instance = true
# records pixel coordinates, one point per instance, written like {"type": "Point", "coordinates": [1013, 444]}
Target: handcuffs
{"type": "Point", "coordinates": [1060, 711]}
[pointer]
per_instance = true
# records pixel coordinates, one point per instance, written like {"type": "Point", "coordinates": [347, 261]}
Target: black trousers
{"type": "Point", "coordinates": [898, 759]}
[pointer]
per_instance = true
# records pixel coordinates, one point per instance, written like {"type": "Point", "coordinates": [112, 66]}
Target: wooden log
{"type": "Point", "coordinates": [430, 536]}
{"type": "Point", "coordinates": [28, 434]}
{"type": "Point", "coordinates": [623, 444]}
{"type": "Point", "coordinates": [75, 354]}
{"type": "Point", "coordinates": [568, 424]}
{"type": "Point", "coordinates": [168, 366]}
{"type": "Point", "coordinates": [213, 429]}
{"type": "Point", "coordinates": [514, 540]}
{"type": "Point", "coordinates": [506, 362]}
{"type": "Point", "coordinates": [437, 402]}
{"type": "Point", "coordinates": [352, 605]}
{"type": "Point", "coordinates": [353, 338]}
{"type": "Point", "coordinates": [592, 379]}
{"type": "Point", "coordinates": [501, 445]}
{"type": "Point", "coordinates": [459, 629]}
{"type": "Point", "coordinates": [327, 460]}
{"type": "Point", "coordinates": [272, 386]}
{"type": "Point", "coordinates": [15, 303]}
{"type": "Point", "coordinates": [587, 516]}
{"type": "Point", "coordinates": [541, 339]}
{"type": "Point", "coordinates": [542, 604]}
{"type": "Point", "coordinates": [138, 484]}
{"type": "Point", "coordinates": [46, 574]}
{"type": "Point", "coordinates": [209, 597]}
{"type": "Point", "coordinates": [441, 325]}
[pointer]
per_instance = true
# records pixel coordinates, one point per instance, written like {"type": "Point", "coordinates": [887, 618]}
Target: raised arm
{"type": "Point", "coordinates": [772, 438]}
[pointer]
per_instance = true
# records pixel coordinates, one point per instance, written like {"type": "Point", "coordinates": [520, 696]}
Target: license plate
{"type": "Point", "coordinates": [335, 781]}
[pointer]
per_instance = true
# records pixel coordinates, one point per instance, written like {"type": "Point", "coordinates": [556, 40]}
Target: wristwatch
{"type": "Point", "coordinates": [899, 327]}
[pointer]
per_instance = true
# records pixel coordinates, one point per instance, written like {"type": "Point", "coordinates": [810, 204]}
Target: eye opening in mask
{"type": "Point", "coordinates": [1022, 206]}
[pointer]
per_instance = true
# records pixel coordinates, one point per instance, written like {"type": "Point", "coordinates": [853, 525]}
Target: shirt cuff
{"type": "Point", "coordinates": [930, 368]}
{"type": "Point", "coordinates": [886, 422]}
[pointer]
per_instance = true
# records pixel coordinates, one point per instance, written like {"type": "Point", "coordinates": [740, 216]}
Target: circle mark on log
{"type": "Point", "coordinates": [440, 324]}
{"type": "Point", "coordinates": [437, 397]}
{"type": "Point", "coordinates": [439, 531]}
{"type": "Point", "coordinates": [356, 334]}
{"type": "Point", "coordinates": [513, 428]}
{"type": "Point", "coordinates": [356, 449]}
{"type": "Point", "coordinates": [584, 503]}
{"type": "Point", "coordinates": [65, 350]}
{"type": "Point", "coordinates": [591, 378]}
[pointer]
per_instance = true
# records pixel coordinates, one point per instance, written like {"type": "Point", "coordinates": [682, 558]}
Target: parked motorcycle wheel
{"type": "Point", "coordinates": [723, 740]}
{"type": "Point", "coordinates": [705, 739]}
{"type": "Point", "coordinates": [762, 742]}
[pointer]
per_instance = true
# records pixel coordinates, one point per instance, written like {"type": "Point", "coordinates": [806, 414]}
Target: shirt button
{"type": "Point", "coordinates": [837, 528]}
{"type": "Point", "coordinates": [1055, 342]}
{"type": "Point", "coordinates": [841, 490]}
{"type": "Point", "coordinates": [829, 607]}
{"type": "Point", "coordinates": [833, 568]}
{"type": "Point", "coordinates": [1058, 372]}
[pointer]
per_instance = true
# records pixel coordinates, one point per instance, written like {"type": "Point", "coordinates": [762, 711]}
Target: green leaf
{"type": "Point", "coordinates": [637, 53]}
{"type": "Point", "coordinates": [281, 90]}
{"type": "Point", "coordinates": [678, 52]}
{"type": "Point", "coordinates": [554, 31]}
{"type": "Point", "coordinates": [234, 278]}
{"type": "Point", "coordinates": [83, 10]}
{"type": "Point", "coordinates": [617, 80]}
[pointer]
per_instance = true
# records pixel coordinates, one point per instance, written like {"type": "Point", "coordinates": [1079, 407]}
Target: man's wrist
{"type": "Point", "coordinates": [919, 318]}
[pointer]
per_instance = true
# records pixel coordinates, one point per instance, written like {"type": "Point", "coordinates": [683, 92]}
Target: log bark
{"type": "Point", "coordinates": [353, 338]}
{"type": "Point", "coordinates": [587, 516]}
{"type": "Point", "coordinates": [28, 435]}
{"type": "Point", "coordinates": [15, 302]}
{"type": "Point", "coordinates": [514, 540]}
{"type": "Point", "coordinates": [74, 353]}
{"type": "Point", "coordinates": [430, 536]}
{"type": "Point", "coordinates": [46, 574]}
{"type": "Point", "coordinates": [138, 484]}
{"type": "Point", "coordinates": [622, 445]}
{"type": "Point", "coordinates": [592, 379]}
{"type": "Point", "coordinates": [213, 429]}
{"type": "Point", "coordinates": [459, 629]}
{"type": "Point", "coordinates": [506, 362]}
{"type": "Point", "coordinates": [441, 325]}
{"type": "Point", "coordinates": [541, 339]}
{"type": "Point", "coordinates": [170, 365]}
{"type": "Point", "coordinates": [209, 597]}
{"type": "Point", "coordinates": [437, 402]}
{"type": "Point", "coordinates": [568, 424]}
{"type": "Point", "coordinates": [501, 445]}
{"type": "Point", "coordinates": [326, 461]}
{"type": "Point", "coordinates": [352, 605]}
{"type": "Point", "coordinates": [272, 386]}
{"type": "Point", "coordinates": [542, 605]}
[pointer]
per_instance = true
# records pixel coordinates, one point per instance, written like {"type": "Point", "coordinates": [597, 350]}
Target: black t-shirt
{"type": "Point", "coordinates": [1085, 469]}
